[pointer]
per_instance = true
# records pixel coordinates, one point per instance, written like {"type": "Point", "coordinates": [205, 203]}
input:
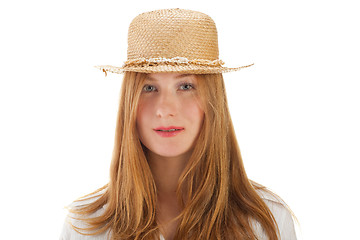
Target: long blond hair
{"type": "Point", "coordinates": [220, 201]}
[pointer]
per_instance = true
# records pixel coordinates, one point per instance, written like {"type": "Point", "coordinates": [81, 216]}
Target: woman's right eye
{"type": "Point", "coordinates": [149, 88]}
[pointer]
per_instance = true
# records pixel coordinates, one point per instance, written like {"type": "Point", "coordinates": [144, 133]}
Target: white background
{"type": "Point", "coordinates": [296, 112]}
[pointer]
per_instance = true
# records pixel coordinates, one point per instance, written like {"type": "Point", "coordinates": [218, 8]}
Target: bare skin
{"type": "Point", "coordinates": [168, 100]}
{"type": "Point", "coordinates": [166, 172]}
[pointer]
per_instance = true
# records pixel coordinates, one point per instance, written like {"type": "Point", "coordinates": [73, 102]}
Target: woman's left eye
{"type": "Point", "coordinates": [186, 86]}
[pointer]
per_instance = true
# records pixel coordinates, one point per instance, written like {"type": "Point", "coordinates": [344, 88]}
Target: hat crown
{"type": "Point", "coordinates": [171, 33]}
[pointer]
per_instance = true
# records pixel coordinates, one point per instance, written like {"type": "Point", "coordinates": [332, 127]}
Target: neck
{"type": "Point", "coordinates": [166, 172]}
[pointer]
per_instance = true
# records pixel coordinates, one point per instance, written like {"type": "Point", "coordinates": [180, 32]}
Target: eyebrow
{"type": "Point", "coordinates": [177, 77]}
{"type": "Point", "coordinates": [184, 75]}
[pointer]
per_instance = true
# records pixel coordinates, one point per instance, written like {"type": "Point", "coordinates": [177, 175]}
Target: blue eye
{"type": "Point", "coordinates": [149, 88]}
{"type": "Point", "coordinates": [186, 86]}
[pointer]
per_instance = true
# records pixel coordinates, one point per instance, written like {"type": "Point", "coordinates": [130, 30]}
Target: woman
{"type": "Point", "coordinates": [176, 170]}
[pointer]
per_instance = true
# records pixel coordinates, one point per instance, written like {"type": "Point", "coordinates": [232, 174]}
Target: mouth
{"type": "Point", "coordinates": [169, 131]}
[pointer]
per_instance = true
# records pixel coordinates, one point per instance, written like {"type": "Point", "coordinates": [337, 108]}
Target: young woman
{"type": "Point", "coordinates": [176, 170]}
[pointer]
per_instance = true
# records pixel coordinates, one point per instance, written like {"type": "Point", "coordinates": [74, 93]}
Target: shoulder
{"type": "Point", "coordinates": [88, 199]}
{"type": "Point", "coordinates": [73, 220]}
{"type": "Point", "coordinates": [281, 213]}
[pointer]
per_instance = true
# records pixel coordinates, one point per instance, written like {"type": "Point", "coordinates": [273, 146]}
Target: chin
{"type": "Point", "coordinates": [170, 151]}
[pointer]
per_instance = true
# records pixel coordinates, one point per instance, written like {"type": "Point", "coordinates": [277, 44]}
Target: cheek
{"type": "Point", "coordinates": [141, 115]}
{"type": "Point", "coordinates": [194, 111]}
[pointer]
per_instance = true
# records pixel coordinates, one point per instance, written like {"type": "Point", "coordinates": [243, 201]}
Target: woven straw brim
{"type": "Point", "coordinates": [188, 68]}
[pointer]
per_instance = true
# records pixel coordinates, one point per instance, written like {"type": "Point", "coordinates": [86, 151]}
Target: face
{"type": "Point", "coordinates": [169, 115]}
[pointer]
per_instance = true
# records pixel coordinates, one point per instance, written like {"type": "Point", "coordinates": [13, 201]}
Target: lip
{"type": "Point", "coordinates": [169, 134]}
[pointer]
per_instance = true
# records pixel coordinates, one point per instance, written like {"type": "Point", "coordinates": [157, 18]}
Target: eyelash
{"type": "Point", "coordinates": [146, 86]}
{"type": "Point", "coordinates": [191, 86]}
{"type": "Point", "coordinates": [188, 84]}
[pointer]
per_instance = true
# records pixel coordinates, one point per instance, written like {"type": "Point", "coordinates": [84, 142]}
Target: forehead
{"type": "Point", "coordinates": [169, 76]}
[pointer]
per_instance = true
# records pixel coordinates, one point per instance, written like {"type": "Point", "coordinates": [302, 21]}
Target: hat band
{"type": "Point", "coordinates": [172, 61]}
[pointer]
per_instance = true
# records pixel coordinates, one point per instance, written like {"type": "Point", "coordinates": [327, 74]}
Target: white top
{"type": "Point", "coordinates": [281, 213]}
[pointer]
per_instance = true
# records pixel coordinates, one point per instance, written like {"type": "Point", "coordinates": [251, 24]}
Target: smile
{"type": "Point", "coordinates": [169, 131]}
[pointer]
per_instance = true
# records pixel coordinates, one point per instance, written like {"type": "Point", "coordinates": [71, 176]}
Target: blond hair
{"type": "Point", "coordinates": [220, 201]}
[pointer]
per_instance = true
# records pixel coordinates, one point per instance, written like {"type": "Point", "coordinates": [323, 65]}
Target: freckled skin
{"type": "Point", "coordinates": [167, 100]}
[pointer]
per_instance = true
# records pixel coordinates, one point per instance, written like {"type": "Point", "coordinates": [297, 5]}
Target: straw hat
{"type": "Point", "coordinates": [172, 40]}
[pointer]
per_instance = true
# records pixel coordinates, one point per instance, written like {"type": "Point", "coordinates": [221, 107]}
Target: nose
{"type": "Point", "coordinates": [166, 105]}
